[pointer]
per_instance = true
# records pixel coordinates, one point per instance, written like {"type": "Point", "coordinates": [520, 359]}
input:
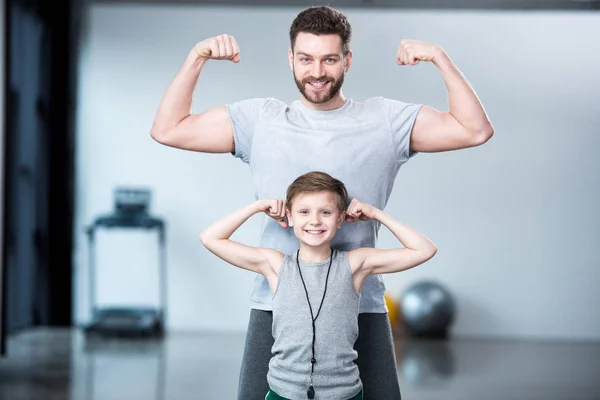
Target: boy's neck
{"type": "Point", "coordinates": [311, 254]}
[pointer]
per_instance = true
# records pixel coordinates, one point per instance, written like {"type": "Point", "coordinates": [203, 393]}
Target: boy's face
{"type": "Point", "coordinates": [315, 217]}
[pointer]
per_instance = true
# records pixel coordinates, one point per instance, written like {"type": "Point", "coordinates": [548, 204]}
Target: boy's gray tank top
{"type": "Point", "coordinates": [363, 144]}
{"type": "Point", "coordinates": [336, 376]}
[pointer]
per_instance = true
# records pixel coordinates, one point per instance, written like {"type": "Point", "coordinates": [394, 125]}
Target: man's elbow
{"type": "Point", "coordinates": [158, 135]}
{"type": "Point", "coordinates": [483, 134]}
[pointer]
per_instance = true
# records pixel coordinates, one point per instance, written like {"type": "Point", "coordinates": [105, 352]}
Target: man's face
{"type": "Point", "coordinates": [319, 66]}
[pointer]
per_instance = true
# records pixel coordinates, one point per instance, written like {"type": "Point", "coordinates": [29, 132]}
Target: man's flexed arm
{"type": "Point", "coordinates": [465, 124]}
{"type": "Point", "coordinates": [210, 131]}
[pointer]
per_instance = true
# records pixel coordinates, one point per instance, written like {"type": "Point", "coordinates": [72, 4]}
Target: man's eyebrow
{"type": "Point", "coordinates": [301, 53]}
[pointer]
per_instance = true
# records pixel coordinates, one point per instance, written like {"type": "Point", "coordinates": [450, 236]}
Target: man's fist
{"type": "Point", "coordinates": [411, 52]}
{"type": "Point", "coordinates": [222, 47]}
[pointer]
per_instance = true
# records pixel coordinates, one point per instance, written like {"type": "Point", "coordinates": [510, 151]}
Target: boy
{"type": "Point", "coordinates": [314, 356]}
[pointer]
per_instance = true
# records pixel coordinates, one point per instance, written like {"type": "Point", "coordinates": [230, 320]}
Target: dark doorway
{"type": "Point", "coordinates": [41, 42]}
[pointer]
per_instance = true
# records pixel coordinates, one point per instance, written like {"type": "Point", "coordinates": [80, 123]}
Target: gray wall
{"type": "Point", "coordinates": [515, 220]}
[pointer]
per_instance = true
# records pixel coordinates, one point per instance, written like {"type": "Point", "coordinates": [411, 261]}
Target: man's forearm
{"type": "Point", "coordinates": [463, 101]}
{"type": "Point", "coordinates": [176, 103]}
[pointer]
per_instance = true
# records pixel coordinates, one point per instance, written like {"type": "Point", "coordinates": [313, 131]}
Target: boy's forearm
{"type": "Point", "coordinates": [226, 226]}
{"type": "Point", "coordinates": [409, 237]}
{"type": "Point", "coordinates": [176, 103]}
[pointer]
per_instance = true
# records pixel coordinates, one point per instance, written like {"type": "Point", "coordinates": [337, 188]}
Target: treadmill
{"type": "Point", "coordinates": [130, 212]}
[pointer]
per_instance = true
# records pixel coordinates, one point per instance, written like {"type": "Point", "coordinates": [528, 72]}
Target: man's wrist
{"type": "Point", "coordinates": [441, 59]}
{"type": "Point", "coordinates": [195, 59]}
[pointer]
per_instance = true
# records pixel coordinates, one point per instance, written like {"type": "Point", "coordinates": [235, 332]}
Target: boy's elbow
{"type": "Point", "coordinates": [431, 251]}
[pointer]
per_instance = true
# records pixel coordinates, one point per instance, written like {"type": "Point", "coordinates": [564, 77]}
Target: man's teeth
{"type": "Point", "coordinates": [318, 83]}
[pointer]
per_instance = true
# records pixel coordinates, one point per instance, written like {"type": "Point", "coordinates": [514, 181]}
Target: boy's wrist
{"type": "Point", "coordinates": [378, 214]}
{"type": "Point", "coordinates": [254, 207]}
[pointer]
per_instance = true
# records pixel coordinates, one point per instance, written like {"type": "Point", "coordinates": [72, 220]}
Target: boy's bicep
{"type": "Point", "coordinates": [380, 261]}
{"type": "Point", "coordinates": [240, 255]}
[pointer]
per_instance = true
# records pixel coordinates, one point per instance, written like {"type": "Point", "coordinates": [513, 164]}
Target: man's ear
{"type": "Point", "coordinates": [347, 61]}
{"type": "Point", "coordinates": [291, 59]}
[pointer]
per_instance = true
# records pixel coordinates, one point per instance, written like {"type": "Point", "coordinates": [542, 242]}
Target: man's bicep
{"type": "Point", "coordinates": [436, 131]}
{"type": "Point", "coordinates": [214, 131]}
{"type": "Point", "coordinates": [208, 132]}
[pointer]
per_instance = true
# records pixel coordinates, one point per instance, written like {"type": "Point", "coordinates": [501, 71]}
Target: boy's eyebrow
{"type": "Point", "coordinates": [300, 205]}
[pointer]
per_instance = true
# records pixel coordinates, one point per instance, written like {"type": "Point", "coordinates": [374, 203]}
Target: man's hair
{"type": "Point", "coordinates": [322, 20]}
{"type": "Point", "coordinates": [314, 182]}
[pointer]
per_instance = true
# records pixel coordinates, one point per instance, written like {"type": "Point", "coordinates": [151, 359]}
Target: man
{"type": "Point", "coordinates": [363, 144]}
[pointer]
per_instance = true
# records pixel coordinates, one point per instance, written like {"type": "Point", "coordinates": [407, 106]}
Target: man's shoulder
{"type": "Point", "coordinates": [274, 109]}
{"type": "Point", "coordinates": [391, 107]}
{"type": "Point", "coordinates": [377, 101]}
{"type": "Point", "coordinates": [258, 103]}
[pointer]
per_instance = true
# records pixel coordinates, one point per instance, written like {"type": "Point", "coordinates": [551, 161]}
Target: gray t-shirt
{"type": "Point", "coordinates": [363, 144]}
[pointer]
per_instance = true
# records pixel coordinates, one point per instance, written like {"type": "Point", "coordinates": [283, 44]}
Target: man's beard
{"type": "Point", "coordinates": [334, 88]}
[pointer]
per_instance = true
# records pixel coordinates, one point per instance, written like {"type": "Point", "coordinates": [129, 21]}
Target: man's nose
{"type": "Point", "coordinates": [317, 70]}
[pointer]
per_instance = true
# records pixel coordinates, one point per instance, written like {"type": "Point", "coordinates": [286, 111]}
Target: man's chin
{"type": "Point", "coordinates": [317, 99]}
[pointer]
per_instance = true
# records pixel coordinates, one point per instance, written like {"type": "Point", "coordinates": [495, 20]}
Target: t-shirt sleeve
{"type": "Point", "coordinates": [244, 116]}
{"type": "Point", "coordinates": [402, 117]}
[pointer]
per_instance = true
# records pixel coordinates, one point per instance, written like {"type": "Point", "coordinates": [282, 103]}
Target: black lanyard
{"type": "Point", "coordinates": [310, 393]}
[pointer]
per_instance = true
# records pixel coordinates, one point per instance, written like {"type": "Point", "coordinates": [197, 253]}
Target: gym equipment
{"type": "Point", "coordinates": [393, 311]}
{"type": "Point", "coordinates": [131, 212]}
{"type": "Point", "coordinates": [428, 309]}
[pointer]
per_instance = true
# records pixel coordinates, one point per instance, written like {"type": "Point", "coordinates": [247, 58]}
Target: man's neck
{"type": "Point", "coordinates": [311, 254]}
{"type": "Point", "coordinates": [336, 102]}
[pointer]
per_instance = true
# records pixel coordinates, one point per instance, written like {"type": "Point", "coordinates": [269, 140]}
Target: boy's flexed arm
{"type": "Point", "coordinates": [216, 237]}
{"type": "Point", "coordinates": [366, 261]}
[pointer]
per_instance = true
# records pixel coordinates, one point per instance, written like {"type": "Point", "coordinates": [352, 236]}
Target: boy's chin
{"type": "Point", "coordinates": [316, 241]}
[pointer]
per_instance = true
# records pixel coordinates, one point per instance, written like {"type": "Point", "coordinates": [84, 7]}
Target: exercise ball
{"type": "Point", "coordinates": [428, 309]}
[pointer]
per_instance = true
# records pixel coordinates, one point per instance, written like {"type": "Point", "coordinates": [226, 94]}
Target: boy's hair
{"type": "Point", "coordinates": [322, 20]}
{"type": "Point", "coordinates": [314, 182]}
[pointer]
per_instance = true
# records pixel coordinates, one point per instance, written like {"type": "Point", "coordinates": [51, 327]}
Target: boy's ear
{"type": "Point", "coordinates": [342, 218]}
{"type": "Point", "coordinates": [287, 215]}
